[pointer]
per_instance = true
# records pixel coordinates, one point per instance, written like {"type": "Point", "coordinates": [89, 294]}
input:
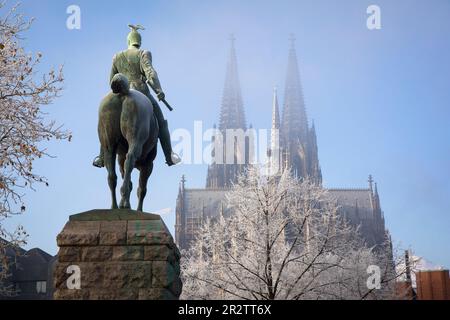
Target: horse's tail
{"type": "Point", "coordinates": [120, 84]}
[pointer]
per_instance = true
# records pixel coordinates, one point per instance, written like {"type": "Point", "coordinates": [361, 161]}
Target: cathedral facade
{"type": "Point", "coordinates": [297, 149]}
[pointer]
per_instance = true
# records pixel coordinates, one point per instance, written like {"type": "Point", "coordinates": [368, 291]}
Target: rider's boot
{"type": "Point", "coordinates": [164, 137]}
{"type": "Point", "coordinates": [99, 161]}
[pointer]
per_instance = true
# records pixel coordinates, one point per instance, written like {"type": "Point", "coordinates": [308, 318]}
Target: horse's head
{"type": "Point", "coordinates": [120, 84]}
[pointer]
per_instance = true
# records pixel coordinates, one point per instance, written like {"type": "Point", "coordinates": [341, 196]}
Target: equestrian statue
{"type": "Point", "coordinates": [131, 121]}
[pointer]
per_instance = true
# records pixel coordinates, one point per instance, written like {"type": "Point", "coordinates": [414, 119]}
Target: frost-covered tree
{"type": "Point", "coordinates": [23, 124]}
{"type": "Point", "coordinates": [283, 240]}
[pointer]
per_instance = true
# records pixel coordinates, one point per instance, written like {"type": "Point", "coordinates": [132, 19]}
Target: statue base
{"type": "Point", "coordinates": [116, 254]}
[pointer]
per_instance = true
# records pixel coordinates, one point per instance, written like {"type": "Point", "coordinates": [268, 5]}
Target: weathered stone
{"type": "Point", "coordinates": [67, 294]}
{"type": "Point", "coordinates": [97, 253]}
{"type": "Point", "coordinates": [117, 258]}
{"type": "Point", "coordinates": [82, 233]}
{"type": "Point", "coordinates": [126, 253]}
{"type": "Point", "coordinates": [113, 232]}
{"type": "Point", "coordinates": [91, 274]}
{"type": "Point", "coordinates": [156, 294]}
{"type": "Point", "coordinates": [148, 232]}
{"type": "Point", "coordinates": [141, 275]}
{"type": "Point", "coordinates": [163, 274]}
{"type": "Point", "coordinates": [159, 253]}
{"type": "Point", "coordinates": [176, 251]}
{"type": "Point", "coordinates": [150, 238]}
{"type": "Point", "coordinates": [69, 254]}
{"type": "Point", "coordinates": [176, 287]}
{"type": "Point", "coordinates": [177, 268]}
{"type": "Point", "coordinates": [113, 215]}
{"type": "Point", "coordinates": [128, 274]}
{"type": "Point", "coordinates": [60, 275]}
{"type": "Point", "coordinates": [117, 272]}
{"type": "Point", "coordinates": [105, 294]}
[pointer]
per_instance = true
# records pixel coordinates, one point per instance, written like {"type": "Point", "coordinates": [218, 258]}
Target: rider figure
{"type": "Point", "coordinates": [136, 65]}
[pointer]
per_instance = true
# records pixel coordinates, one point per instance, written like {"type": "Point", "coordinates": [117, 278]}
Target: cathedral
{"type": "Point", "coordinates": [297, 149]}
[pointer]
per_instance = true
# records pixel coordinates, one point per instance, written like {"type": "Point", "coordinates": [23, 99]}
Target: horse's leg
{"type": "Point", "coordinates": [133, 154]}
{"type": "Point", "coordinates": [121, 160]}
{"type": "Point", "coordinates": [145, 173]}
{"type": "Point", "coordinates": [110, 164]}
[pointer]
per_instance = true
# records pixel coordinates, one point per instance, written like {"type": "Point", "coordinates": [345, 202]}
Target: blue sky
{"type": "Point", "coordinates": [380, 99]}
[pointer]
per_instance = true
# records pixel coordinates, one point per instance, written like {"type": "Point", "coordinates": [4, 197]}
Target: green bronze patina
{"type": "Point", "coordinates": [136, 65]}
{"type": "Point", "coordinates": [134, 37]}
{"type": "Point", "coordinates": [131, 121]}
{"type": "Point", "coordinates": [128, 129]}
{"type": "Point", "coordinates": [113, 215]}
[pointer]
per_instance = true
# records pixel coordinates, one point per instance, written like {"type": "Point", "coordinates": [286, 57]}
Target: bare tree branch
{"type": "Point", "coordinates": [24, 90]}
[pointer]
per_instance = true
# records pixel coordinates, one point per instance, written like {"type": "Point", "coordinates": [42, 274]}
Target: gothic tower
{"type": "Point", "coordinates": [180, 220]}
{"type": "Point", "coordinates": [298, 140]}
{"type": "Point", "coordinates": [232, 120]}
{"type": "Point", "coordinates": [274, 152]}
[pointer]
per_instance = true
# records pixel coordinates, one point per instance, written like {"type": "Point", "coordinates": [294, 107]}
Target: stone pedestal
{"type": "Point", "coordinates": [120, 254]}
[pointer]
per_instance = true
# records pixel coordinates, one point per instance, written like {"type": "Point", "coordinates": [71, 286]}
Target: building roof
{"type": "Point", "coordinates": [33, 265]}
{"type": "Point", "coordinates": [204, 202]}
{"type": "Point", "coordinates": [30, 265]}
{"type": "Point", "coordinates": [210, 201]}
{"type": "Point", "coordinates": [351, 197]}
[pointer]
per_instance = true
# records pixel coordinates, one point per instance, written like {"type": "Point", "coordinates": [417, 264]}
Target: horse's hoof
{"type": "Point", "coordinates": [125, 206]}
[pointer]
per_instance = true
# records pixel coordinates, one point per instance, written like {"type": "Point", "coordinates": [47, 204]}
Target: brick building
{"type": "Point", "coordinates": [433, 285]}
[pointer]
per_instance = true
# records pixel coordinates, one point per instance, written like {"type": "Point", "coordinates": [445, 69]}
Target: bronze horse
{"type": "Point", "coordinates": [128, 129]}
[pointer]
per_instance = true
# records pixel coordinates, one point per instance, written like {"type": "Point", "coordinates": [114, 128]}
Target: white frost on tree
{"type": "Point", "coordinates": [23, 125]}
{"type": "Point", "coordinates": [284, 240]}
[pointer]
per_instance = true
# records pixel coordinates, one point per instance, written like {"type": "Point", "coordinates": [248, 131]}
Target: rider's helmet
{"type": "Point", "coordinates": [134, 37]}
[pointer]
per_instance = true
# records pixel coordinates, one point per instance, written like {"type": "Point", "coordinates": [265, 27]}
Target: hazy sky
{"type": "Point", "coordinates": [380, 99]}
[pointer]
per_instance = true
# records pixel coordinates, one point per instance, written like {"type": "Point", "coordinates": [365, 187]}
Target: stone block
{"type": "Point", "coordinates": [66, 294]}
{"type": "Point", "coordinates": [128, 275]}
{"type": "Point", "coordinates": [113, 233]}
{"type": "Point", "coordinates": [176, 287]}
{"type": "Point", "coordinates": [96, 253]}
{"type": "Point", "coordinates": [69, 254]}
{"type": "Point", "coordinates": [159, 253]}
{"type": "Point", "coordinates": [122, 255]}
{"type": "Point", "coordinates": [156, 294]}
{"type": "Point", "coordinates": [148, 232]}
{"type": "Point", "coordinates": [91, 274]}
{"type": "Point", "coordinates": [81, 233]}
{"type": "Point", "coordinates": [127, 253]}
{"type": "Point", "coordinates": [108, 294]}
{"type": "Point", "coordinates": [163, 274]}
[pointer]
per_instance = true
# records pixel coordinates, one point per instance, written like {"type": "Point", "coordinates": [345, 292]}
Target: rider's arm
{"type": "Point", "coordinates": [114, 70]}
{"type": "Point", "coordinates": [150, 73]}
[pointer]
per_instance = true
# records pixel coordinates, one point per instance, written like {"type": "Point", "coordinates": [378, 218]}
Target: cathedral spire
{"type": "Point", "coordinates": [370, 180]}
{"type": "Point", "coordinates": [183, 182]}
{"type": "Point", "coordinates": [294, 123]}
{"type": "Point", "coordinates": [377, 199]}
{"type": "Point", "coordinates": [232, 114]}
{"type": "Point", "coordinates": [275, 137]}
{"type": "Point", "coordinates": [275, 110]}
{"type": "Point", "coordinates": [296, 136]}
